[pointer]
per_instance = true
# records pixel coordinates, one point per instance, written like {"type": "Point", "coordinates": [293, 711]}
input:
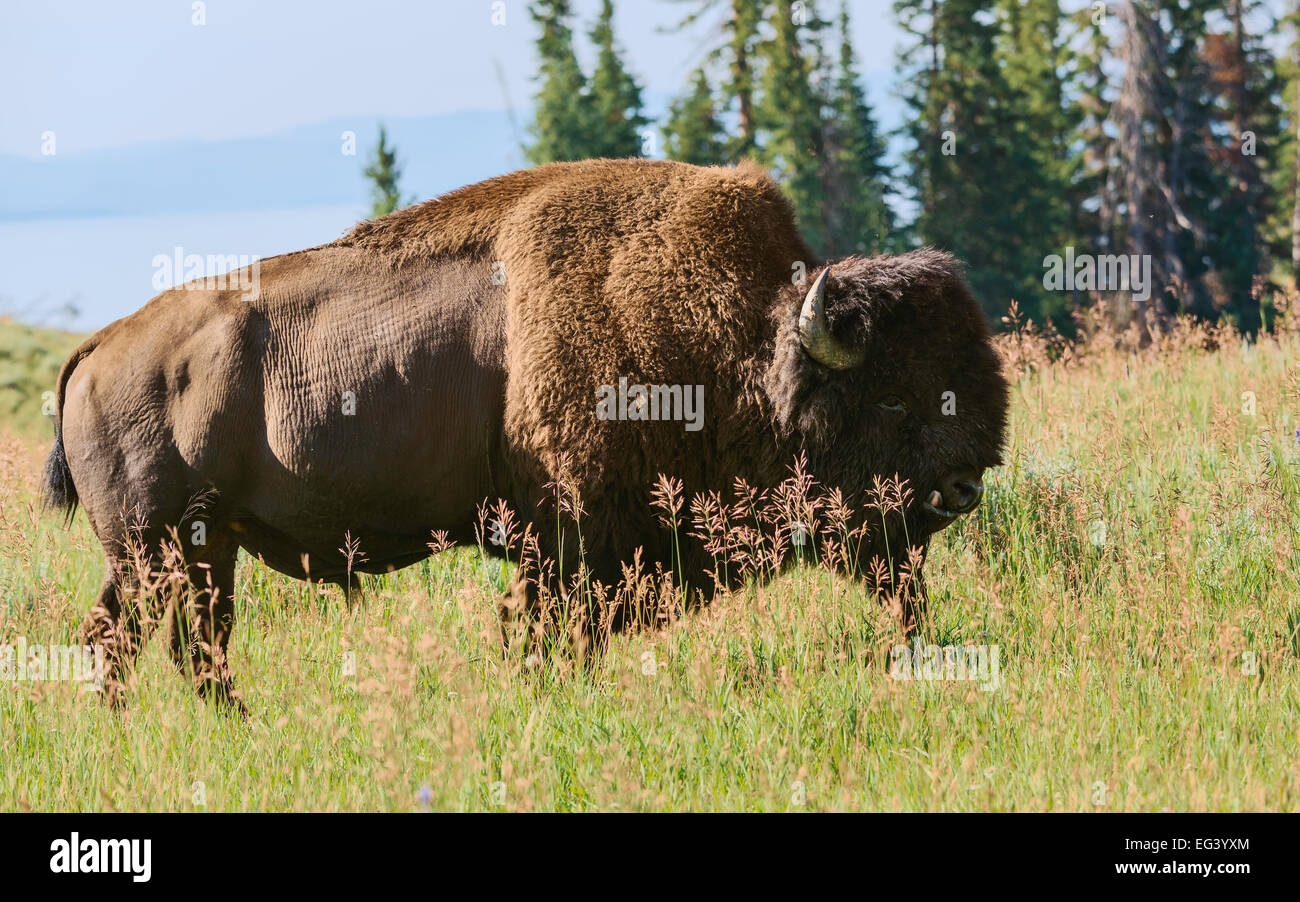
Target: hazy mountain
{"type": "Point", "coordinates": [300, 167]}
{"type": "Point", "coordinates": [296, 168]}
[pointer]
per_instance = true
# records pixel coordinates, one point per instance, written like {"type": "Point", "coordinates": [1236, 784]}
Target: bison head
{"type": "Point", "coordinates": [883, 368]}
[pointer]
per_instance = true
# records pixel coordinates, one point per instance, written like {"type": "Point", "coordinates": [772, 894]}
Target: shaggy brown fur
{"type": "Point", "coordinates": [469, 390]}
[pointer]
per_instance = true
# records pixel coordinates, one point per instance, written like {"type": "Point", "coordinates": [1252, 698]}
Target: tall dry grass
{"type": "Point", "coordinates": [1134, 564]}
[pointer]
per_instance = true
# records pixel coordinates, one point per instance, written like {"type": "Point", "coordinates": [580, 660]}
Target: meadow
{"type": "Point", "coordinates": [1134, 563]}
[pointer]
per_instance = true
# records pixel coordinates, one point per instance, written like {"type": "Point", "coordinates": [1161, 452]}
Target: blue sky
{"type": "Point", "coordinates": [224, 138]}
{"type": "Point", "coordinates": [107, 75]}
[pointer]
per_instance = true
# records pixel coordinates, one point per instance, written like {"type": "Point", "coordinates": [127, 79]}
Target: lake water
{"type": "Point", "coordinates": [107, 267]}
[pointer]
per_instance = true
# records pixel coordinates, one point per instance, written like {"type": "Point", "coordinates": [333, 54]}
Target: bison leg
{"type": "Point", "coordinates": [351, 586]}
{"type": "Point", "coordinates": [519, 611]}
{"type": "Point", "coordinates": [118, 621]}
{"type": "Point", "coordinates": [533, 621]}
{"type": "Point", "coordinates": [908, 608]}
{"type": "Point", "coordinates": [199, 624]}
{"type": "Point", "coordinates": [912, 598]}
{"type": "Point", "coordinates": [105, 626]}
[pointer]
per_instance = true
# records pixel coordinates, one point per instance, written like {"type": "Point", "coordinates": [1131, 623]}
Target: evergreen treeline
{"type": "Point", "coordinates": [578, 117]}
{"type": "Point", "coordinates": [1032, 128]}
{"type": "Point", "coordinates": [778, 83]}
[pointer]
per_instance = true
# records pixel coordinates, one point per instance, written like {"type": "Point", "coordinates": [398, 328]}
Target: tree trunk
{"type": "Point", "coordinates": [1248, 182]}
{"type": "Point", "coordinates": [1131, 144]}
{"type": "Point", "coordinates": [741, 75]}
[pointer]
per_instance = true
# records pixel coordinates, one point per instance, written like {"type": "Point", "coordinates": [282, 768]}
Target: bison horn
{"type": "Point", "coordinates": [815, 331]}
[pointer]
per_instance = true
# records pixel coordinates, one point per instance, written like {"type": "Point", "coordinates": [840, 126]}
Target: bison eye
{"type": "Point", "coordinates": [893, 403]}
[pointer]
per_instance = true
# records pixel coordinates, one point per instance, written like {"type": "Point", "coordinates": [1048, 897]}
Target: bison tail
{"type": "Point", "coordinates": [57, 489]}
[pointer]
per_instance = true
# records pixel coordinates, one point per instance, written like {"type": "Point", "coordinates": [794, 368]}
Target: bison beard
{"type": "Point", "coordinates": [445, 359]}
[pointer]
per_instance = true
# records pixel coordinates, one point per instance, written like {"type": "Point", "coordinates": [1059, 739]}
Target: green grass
{"type": "Point", "coordinates": [1126, 656]}
{"type": "Point", "coordinates": [30, 358]}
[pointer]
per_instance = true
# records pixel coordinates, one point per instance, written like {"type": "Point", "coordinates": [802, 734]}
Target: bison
{"type": "Point", "coordinates": [384, 386]}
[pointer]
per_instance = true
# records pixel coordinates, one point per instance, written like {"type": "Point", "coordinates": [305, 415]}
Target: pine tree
{"type": "Point", "coordinates": [1191, 172]}
{"type": "Point", "coordinates": [385, 173]}
{"type": "Point", "coordinates": [1035, 61]}
{"type": "Point", "coordinates": [1136, 112]}
{"type": "Point", "coordinates": [743, 38]}
{"type": "Point", "coordinates": [859, 221]}
{"type": "Point", "coordinates": [789, 114]}
{"type": "Point", "coordinates": [922, 93]}
{"type": "Point", "coordinates": [1094, 191]}
{"type": "Point", "coordinates": [614, 96]}
{"type": "Point", "coordinates": [692, 132]}
{"type": "Point", "coordinates": [1246, 84]}
{"type": "Point", "coordinates": [967, 151]}
{"type": "Point", "coordinates": [1191, 202]}
{"type": "Point", "coordinates": [562, 124]}
{"type": "Point", "coordinates": [1285, 177]}
{"type": "Point", "coordinates": [735, 51]}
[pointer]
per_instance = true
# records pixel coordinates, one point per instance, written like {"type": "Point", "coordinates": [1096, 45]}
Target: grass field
{"type": "Point", "coordinates": [1135, 564]}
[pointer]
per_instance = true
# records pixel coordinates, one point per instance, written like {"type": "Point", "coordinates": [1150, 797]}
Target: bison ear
{"type": "Point", "coordinates": [815, 331]}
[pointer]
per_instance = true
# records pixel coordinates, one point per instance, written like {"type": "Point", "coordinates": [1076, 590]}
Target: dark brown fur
{"type": "Point", "coordinates": [468, 391]}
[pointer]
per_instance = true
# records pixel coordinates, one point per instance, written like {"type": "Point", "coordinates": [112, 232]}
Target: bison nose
{"type": "Point", "coordinates": [962, 492]}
